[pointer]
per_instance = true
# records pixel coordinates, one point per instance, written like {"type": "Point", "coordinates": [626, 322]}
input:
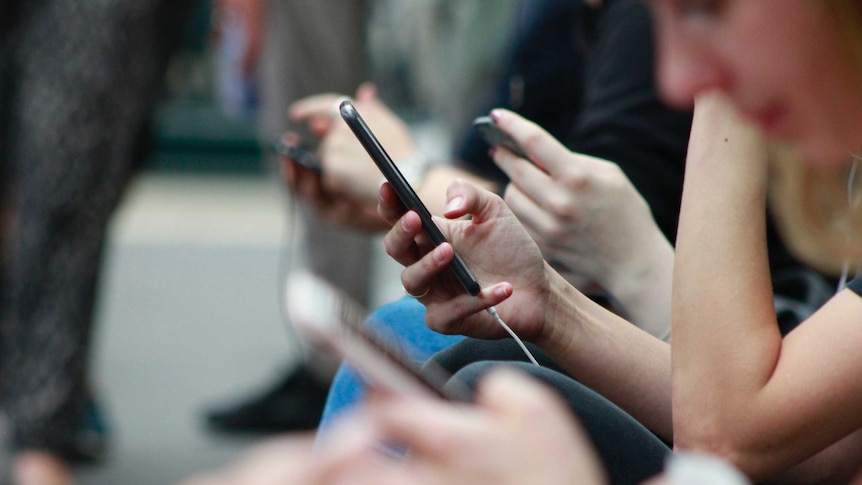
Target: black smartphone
{"type": "Point", "coordinates": [302, 155]}
{"type": "Point", "coordinates": [336, 324]}
{"type": "Point", "coordinates": [405, 191]}
{"type": "Point", "coordinates": [494, 136]}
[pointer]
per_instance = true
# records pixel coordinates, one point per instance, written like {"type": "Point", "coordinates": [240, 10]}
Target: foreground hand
{"type": "Point", "coordinates": [496, 248]}
{"type": "Point", "coordinates": [518, 432]}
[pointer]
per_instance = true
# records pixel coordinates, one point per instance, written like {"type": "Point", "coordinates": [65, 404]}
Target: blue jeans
{"type": "Point", "coordinates": [403, 321]}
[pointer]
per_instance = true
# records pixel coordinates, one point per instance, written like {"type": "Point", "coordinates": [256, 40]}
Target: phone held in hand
{"type": "Point", "coordinates": [405, 191]}
{"type": "Point", "coordinates": [301, 155]}
{"type": "Point", "coordinates": [331, 322]}
{"type": "Point", "coordinates": [494, 136]}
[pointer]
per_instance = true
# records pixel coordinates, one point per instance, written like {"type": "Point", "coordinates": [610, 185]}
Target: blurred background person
{"type": "Point", "coordinates": [430, 58]}
{"type": "Point", "coordinates": [78, 81]}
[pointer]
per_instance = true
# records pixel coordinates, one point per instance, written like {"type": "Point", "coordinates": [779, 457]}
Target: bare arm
{"type": "Point", "coordinates": [600, 349]}
{"type": "Point", "coordinates": [739, 390]}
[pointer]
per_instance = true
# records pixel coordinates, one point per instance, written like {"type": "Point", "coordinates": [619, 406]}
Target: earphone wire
{"type": "Point", "coordinates": [845, 267]}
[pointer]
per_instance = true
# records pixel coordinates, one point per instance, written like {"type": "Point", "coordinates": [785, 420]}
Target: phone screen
{"type": "Point", "coordinates": [337, 324]}
{"type": "Point", "coordinates": [405, 191]}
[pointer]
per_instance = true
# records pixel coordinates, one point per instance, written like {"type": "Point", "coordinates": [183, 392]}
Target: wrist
{"type": "Point", "coordinates": [414, 167]}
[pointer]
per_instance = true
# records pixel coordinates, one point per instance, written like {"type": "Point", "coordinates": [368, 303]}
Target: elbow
{"type": "Point", "coordinates": [723, 437]}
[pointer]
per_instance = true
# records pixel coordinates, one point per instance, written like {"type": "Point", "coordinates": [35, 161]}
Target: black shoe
{"type": "Point", "coordinates": [90, 443]}
{"type": "Point", "coordinates": [294, 404]}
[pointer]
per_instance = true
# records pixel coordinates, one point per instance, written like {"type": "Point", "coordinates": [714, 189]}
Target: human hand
{"type": "Point", "coordinates": [583, 211]}
{"type": "Point", "coordinates": [518, 432]}
{"type": "Point", "coordinates": [590, 221]}
{"type": "Point", "coordinates": [347, 168]}
{"type": "Point", "coordinates": [495, 247]}
{"type": "Point", "coordinates": [338, 209]}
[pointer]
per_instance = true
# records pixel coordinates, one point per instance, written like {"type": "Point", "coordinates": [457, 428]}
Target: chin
{"type": "Point", "coordinates": [826, 155]}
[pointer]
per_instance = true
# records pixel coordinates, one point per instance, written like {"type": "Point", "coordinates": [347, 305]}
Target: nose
{"type": "Point", "coordinates": [685, 68]}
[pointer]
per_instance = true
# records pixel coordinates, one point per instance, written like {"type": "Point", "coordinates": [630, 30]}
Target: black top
{"type": "Point", "coordinates": [856, 285]}
{"type": "Point", "coordinates": [587, 77]}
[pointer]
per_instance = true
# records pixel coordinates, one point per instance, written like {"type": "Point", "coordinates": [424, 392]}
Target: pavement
{"type": "Point", "coordinates": [189, 317]}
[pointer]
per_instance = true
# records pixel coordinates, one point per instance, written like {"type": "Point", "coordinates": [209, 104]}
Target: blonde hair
{"type": "Point", "coordinates": [818, 213]}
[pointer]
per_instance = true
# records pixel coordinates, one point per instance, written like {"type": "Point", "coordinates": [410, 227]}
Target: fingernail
{"type": "Point", "coordinates": [438, 256]}
{"type": "Point", "coordinates": [455, 203]}
{"type": "Point", "coordinates": [495, 115]}
{"type": "Point", "coordinates": [492, 151]}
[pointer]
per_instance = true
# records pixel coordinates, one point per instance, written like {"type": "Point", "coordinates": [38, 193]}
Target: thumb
{"type": "Point", "coordinates": [366, 92]}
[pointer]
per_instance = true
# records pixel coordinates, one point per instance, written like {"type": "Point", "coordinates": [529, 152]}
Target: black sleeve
{"type": "Point", "coordinates": [856, 285]}
{"type": "Point", "coordinates": [622, 118]}
{"type": "Point", "coordinates": [543, 77]}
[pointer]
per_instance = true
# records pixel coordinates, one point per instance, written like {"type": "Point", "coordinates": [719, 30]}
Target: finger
{"type": "Point", "coordinates": [400, 241]}
{"type": "Point", "coordinates": [541, 225]}
{"type": "Point", "coordinates": [446, 317]}
{"type": "Point", "coordinates": [443, 425]}
{"type": "Point", "coordinates": [515, 393]}
{"type": "Point", "coordinates": [540, 145]}
{"type": "Point", "coordinates": [325, 104]}
{"type": "Point", "coordinates": [533, 181]}
{"type": "Point", "coordinates": [464, 198]}
{"type": "Point", "coordinates": [366, 92]}
{"type": "Point", "coordinates": [389, 206]}
{"type": "Point", "coordinates": [418, 277]}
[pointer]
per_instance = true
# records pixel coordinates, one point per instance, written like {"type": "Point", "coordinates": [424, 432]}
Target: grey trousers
{"type": "Point", "coordinates": [313, 47]}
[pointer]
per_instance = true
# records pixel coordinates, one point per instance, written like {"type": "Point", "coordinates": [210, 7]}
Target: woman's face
{"type": "Point", "coordinates": [785, 64]}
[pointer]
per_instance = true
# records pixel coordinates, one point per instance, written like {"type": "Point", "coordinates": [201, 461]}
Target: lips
{"type": "Point", "coordinates": [773, 121]}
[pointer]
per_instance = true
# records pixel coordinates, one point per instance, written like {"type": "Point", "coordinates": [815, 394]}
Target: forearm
{"type": "Point", "coordinates": [610, 355]}
{"type": "Point", "coordinates": [643, 286]}
{"type": "Point", "coordinates": [725, 337]}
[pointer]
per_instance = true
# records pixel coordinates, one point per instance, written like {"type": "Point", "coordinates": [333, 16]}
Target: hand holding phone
{"type": "Point", "coordinates": [302, 155]}
{"type": "Point", "coordinates": [494, 136]}
{"type": "Point", "coordinates": [405, 192]}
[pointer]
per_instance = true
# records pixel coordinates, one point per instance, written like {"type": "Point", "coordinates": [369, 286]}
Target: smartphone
{"type": "Point", "coordinates": [336, 324]}
{"type": "Point", "coordinates": [300, 154]}
{"type": "Point", "coordinates": [405, 191]}
{"type": "Point", "coordinates": [494, 136]}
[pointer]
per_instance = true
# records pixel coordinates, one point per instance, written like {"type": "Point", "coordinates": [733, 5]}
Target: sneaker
{"type": "Point", "coordinates": [293, 404]}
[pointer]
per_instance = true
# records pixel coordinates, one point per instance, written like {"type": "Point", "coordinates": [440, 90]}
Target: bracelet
{"type": "Point", "coordinates": [414, 167]}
